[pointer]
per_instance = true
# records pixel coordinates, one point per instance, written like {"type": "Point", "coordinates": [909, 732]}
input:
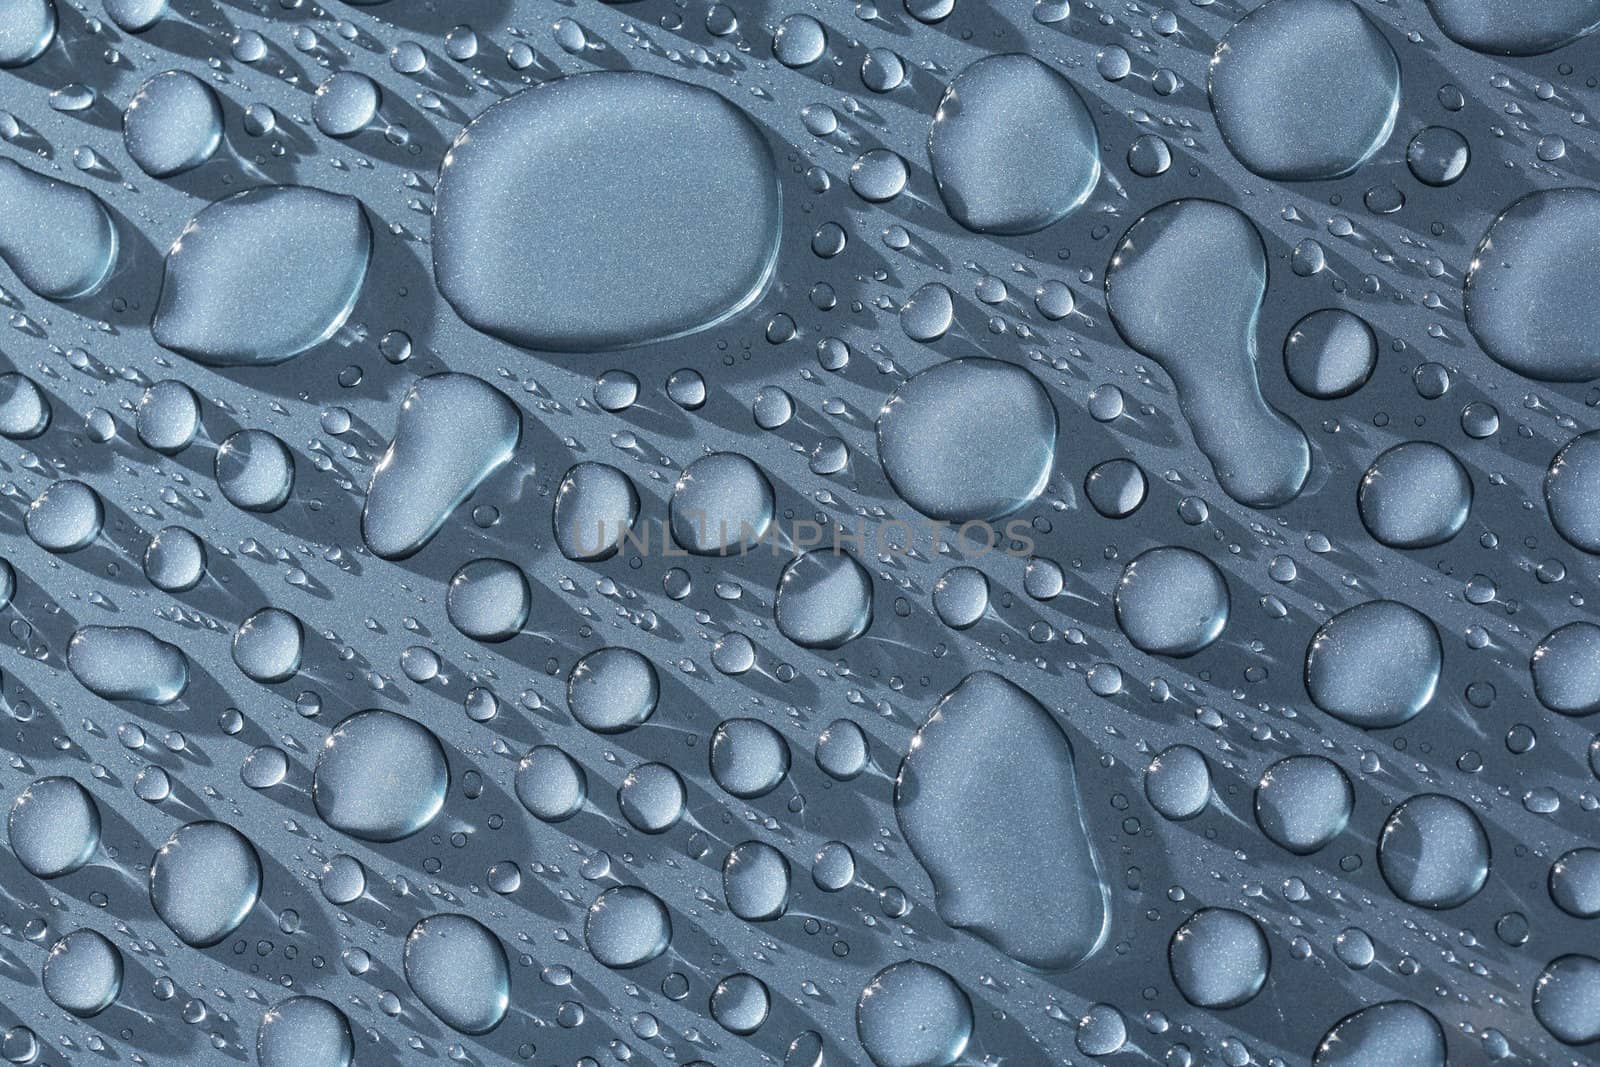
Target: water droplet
{"type": "Point", "coordinates": [267, 646]}
{"type": "Point", "coordinates": [1566, 999]}
{"type": "Point", "coordinates": [1510, 28]}
{"type": "Point", "coordinates": [720, 503]}
{"type": "Point", "coordinates": [53, 827]}
{"type": "Point", "coordinates": [1219, 958]}
{"type": "Point", "coordinates": [380, 776]}
{"type": "Point", "coordinates": [1415, 495]}
{"type": "Point", "coordinates": [24, 408]}
{"type": "Point", "coordinates": [1330, 354]}
{"type": "Point", "coordinates": [1374, 665]}
{"type": "Point", "coordinates": [755, 882]}
{"type": "Point", "coordinates": [136, 16]}
{"type": "Point", "coordinates": [28, 29]}
{"type": "Point", "coordinates": [799, 41]}
{"type": "Point", "coordinates": [1433, 852]}
{"type": "Point", "coordinates": [595, 505]}
{"type": "Point", "coordinates": [961, 597]}
{"type": "Point", "coordinates": [302, 1031]}
{"type": "Point", "coordinates": [488, 600]}
{"type": "Point", "coordinates": [1178, 783]}
{"type": "Point", "coordinates": [175, 560]}
{"type": "Point", "coordinates": [1566, 669]}
{"type": "Point", "coordinates": [73, 255]}
{"type": "Point", "coordinates": [913, 1013]}
{"type": "Point", "coordinates": [652, 798]}
{"type": "Point", "coordinates": [627, 927]}
{"type": "Point", "coordinates": [172, 124]}
{"type": "Point", "coordinates": [1171, 602]}
{"type": "Point", "coordinates": [1572, 491]}
{"type": "Point", "coordinates": [740, 1003]}
{"type": "Point", "coordinates": [457, 968]}
{"type": "Point", "coordinates": [1303, 802]}
{"type": "Point", "coordinates": [749, 759]}
{"type": "Point", "coordinates": [204, 881]}
{"type": "Point", "coordinates": [612, 690]}
{"type": "Point", "coordinates": [551, 784]}
{"type": "Point", "coordinates": [127, 663]}
{"type": "Point", "coordinates": [1438, 156]}
{"type": "Point", "coordinates": [1395, 1031]}
{"type": "Point", "coordinates": [824, 600]}
{"type": "Point", "coordinates": [255, 470]}
{"type": "Point", "coordinates": [83, 973]}
{"type": "Point", "coordinates": [346, 104]}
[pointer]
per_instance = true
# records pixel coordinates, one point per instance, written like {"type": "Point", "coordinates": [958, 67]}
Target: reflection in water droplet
{"type": "Point", "coordinates": [58, 239]}
{"type": "Point", "coordinates": [457, 968]}
{"type": "Point", "coordinates": [172, 124]}
{"type": "Point", "coordinates": [1528, 292]}
{"type": "Point", "coordinates": [255, 470]}
{"type": "Point", "coordinates": [968, 439]}
{"type": "Point", "coordinates": [1572, 491]}
{"type": "Point", "coordinates": [83, 973]}
{"type": "Point", "coordinates": [612, 689]}
{"type": "Point", "coordinates": [453, 431]}
{"type": "Point", "coordinates": [127, 663]}
{"type": "Point", "coordinates": [267, 646]}
{"type": "Point", "coordinates": [1171, 602]}
{"type": "Point", "coordinates": [749, 759]}
{"type": "Point", "coordinates": [1219, 958]}
{"type": "Point", "coordinates": [987, 798]}
{"type": "Point", "coordinates": [1184, 287]}
{"type": "Point", "coordinates": [379, 776]}
{"type": "Point", "coordinates": [524, 182]}
{"type": "Point", "coordinates": [1115, 488]}
{"type": "Point", "coordinates": [1374, 665]}
{"type": "Point", "coordinates": [53, 827]}
{"type": "Point", "coordinates": [1303, 803]}
{"type": "Point", "coordinates": [912, 1014]}
{"type": "Point", "coordinates": [1438, 155]}
{"type": "Point", "coordinates": [1304, 89]}
{"type": "Point", "coordinates": [263, 275]}
{"type": "Point", "coordinates": [1566, 669]}
{"type": "Point", "coordinates": [1330, 354]}
{"type": "Point", "coordinates": [1393, 1032]}
{"type": "Point", "coordinates": [551, 784]}
{"type": "Point", "coordinates": [627, 927]}
{"type": "Point", "coordinates": [1012, 146]}
{"type": "Point", "coordinates": [1433, 852]}
{"type": "Point", "coordinates": [1566, 999]}
{"type": "Point", "coordinates": [720, 503]}
{"type": "Point", "coordinates": [204, 881]}
{"type": "Point", "coordinates": [304, 1032]}
{"type": "Point", "coordinates": [824, 600]}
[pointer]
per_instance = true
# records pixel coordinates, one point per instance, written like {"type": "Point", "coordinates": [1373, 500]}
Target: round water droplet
{"type": "Point", "coordinates": [24, 408]}
{"type": "Point", "coordinates": [53, 827]}
{"type": "Point", "coordinates": [1572, 491]}
{"type": "Point", "coordinates": [912, 1014]}
{"type": "Point", "coordinates": [1433, 852]}
{"type": "Point", "coordinates": [612, 689]}
{"type": "Point", "coordinates": [380, 776]}
{"type": "Point", "coordinates": [652, 798]}
{"type": "Point", "coordinates": [595, 505]}
{"type": "Point", "coordinates": [457, 968]}
{"type": "Point", "coordinates": [720, 503]}
{"type": "Point", "coordinates": [1102, 1031]}
{"type": "Point", "coordinates": [878, 175]}
{"type": "Point", "coordinates": [1304, 89]}
{"type": "Point", "coordinates": [1527, 292]}
{"type": "Point", "coordinates": [823, 600]}
{"type": "Point", "coordinates": [83, 973]}
{"type": "Point", "coordinates": [961, 597]}
{"type": "Point", "coordinates": [1171, 602]}
{"type": "Point", "coordinates": [344, 880]}
{"type": "Point", "coordinates": [265, 767]}
{"type": "Point", "coordinates": [1511, 28]}
{"type": "Point", "coordinates": [1395, 1031]}
{"type": "Point", "coordinates": [799, 41]}
{"type": "Point", "coordinates": [755, 882]}
{"type": "Point", "coordinates": [1116, 488]}
{"type": "Point", "coordinates": [740, 1003]}
{"type": "Point", "coordinates": [1178, 782]}
{"type": "Point", "coordinates": [929, 313]}
{"type": "Point", "coordinates": [204, 881]}
{"type": "Point", "coordinates": [304, 1032]}
{"type": "Point", "coordinates": [488, 600]}
{"type": "Point", "coordinates": [992, 107]}
{"type": "Point", "coordinates": [1330, 354]}
{"type": "Point", "coordinates": [1415, 495]}
{"type": "Point", "coordinates": [1219, 958]}
{"type": "Point", "coordinates": [255, 470]}
{"type": "Point", "coordinates": [1438, 155]}
{"type": "Point", "coordinates": [168, 418]}
{"type": "Point", "coordinates": [1374, 665]}
{"type": "Point", "coordinates": [172, 124]}
{"type": "Point", "coordinates": [1566, 669]}
{"type": "Point", "coordinates": [26, 31]}
{"type": "Point", "coordinates": [1575, 882]}
{"type": "Point", "coordinates": [175, 560]}
{"type": "Point", "coordinates": [268, 645]}
{"type": "Point", "coordinates": [749, 759]}
{"type": "Point", "coordinates": [627, 927]}
{"type": "Point", "coordinates": [346, 104]}
{"type": "Point", "coordinates": [136, 16]}
{"type": "Point", "coordinates": [968, 439]}
{"type": "Point", "coordinates": [842, 751]}
{"type": "Point", "coordinates": [523, 183]}
{"type": "Point", "coordinates": [1303, 802]}
{"type": "Point", "coordinates": [551, 784]}
{"type": "Point", "coordinates": [1566, 999]}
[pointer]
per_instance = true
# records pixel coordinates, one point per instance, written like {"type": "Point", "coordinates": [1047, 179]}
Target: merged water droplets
{"type": "Point", "coordinates": [912, 1014]}
{"type": "Point", "coordinates": [1304, 89]}
{"type": "Point", "coordinates": [58, 239]}
{"type": "Point", "coordinates": [204, 881]}
{"type": "Point", "coordinates": [53, 827]}
{"type": "Point", "coordinates": [453, 431]}
{"type": "Point", "coordinates": [127, 663]}
{"type": "Point", "coordinates": [968, 439]}
{"type": "Point", "coordinates": [172, 124]}
{"type": "Point", "coordinates": [380, 776]}
{"type": "Point", "coordinates": [987, 798]}
{"type": "Point", "coordinates": [1184, 287]}
{"type": "Point", "coordinates": [987, 181]}
{"type": "Point", "coordinates": [1374, 665]}
{"type": "Point", "coordinates": [523, 183]}
{"type": "Point", "coordinates": [458, 969]}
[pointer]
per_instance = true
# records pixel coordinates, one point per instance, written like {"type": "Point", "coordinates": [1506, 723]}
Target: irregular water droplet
{"type": "Point", "coordinates": [912, 1014]}
{"type": "Point", "coordinates": [453, 431]}
{"type": "Point", "coordinates": [1184, 288]}
{"type": "Point", "coordinates": [523, 183]}
{"type": "Point", "coordinates": [380, 776]}
{"type": "Point", "coordinates": [824, 600]}
{"type": "Point", "coordinates": [596, 504]}
{"type": "Point", "coordinates": [1394, 1032]}
{"type": "Point", "coordinates": [627, 927]}
{"type": "Point", "coordinates": [263, 275]}
{"type": "Point", "coordinates": [58, 239]}
{"type": "Point", "coordinates": [968, 439]}
{"type": "Point", "coordinates": [1374, 665]}
{"type": "Point", "coordinates": [172, 124]}
{"type": "Point", "coordinates": [204, 881]}
{"type": "Point", "coordinates": [1512, 28]}
{"type": "Point", "coordinates": [53, 827]}
{"type": "Point", "coordinates": [127, 663]}
{"type": "Point", "coordinates": [993, 107]}
{"type": "Point", "coordinates": [1219, 958]}
{"type": "Point", "coordinates": [1433, 852]}
{"type": "Point", "coordinates": [1304, 89]}
{"type": "Point", "coordinates": [987, 798]}
{"type": "Point", "coordinates": [457, 968]}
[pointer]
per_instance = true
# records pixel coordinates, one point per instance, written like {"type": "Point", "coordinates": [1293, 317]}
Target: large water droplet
{"type": "Point", "coordinates": [488, 600]}
{"type": "Point", "coordinates": [523, 185]}
{"type": "Point", "coordinates": [749, 759]}
{"type": "Point", "coordinates": [1566, 669]}
{"type": "Point", "coordinates": [1575, 882]}
{"type": "Point", "coordinates": [1572, 491]}
{"type": "Point", "coordinates": [612, 689]}
{"type": "Point", "coordinates": [53, 827]}
{"type": "Point", "coordinates": [912, 1014]}
{"type": "Point", "coordinates": [1513, 27]}
{"type": "Point", "coordinates": [627, 927]}
{"type": "Point", "coordinates": [1303, 803]}
{"type": "Point", "coordinates": [595, 505]}
{"type": "Point", "coordinates": [204, 881]}
{"type": "Point", "coordinates": [652, 798]}
{"type": "Point", "coordinates": [961, 597]}
{"type": "Point", "coordinates": [168, 417]}
{"type": "Point", "coordinates": [1171, 601]}
{"type": "Point", "coordinates": [172, 124]}
{"type": "Point", "coordinates": [457, 968]}
{"type": "Point", "coordinates": [58, 239]}
{"type": "Point", "coordinates": [968, 439]}
{"type": "Point", "coordinates": [1184, 287]}
{"type": "Point", "coordinates": [987, 798]}
{"type": "Point", "coordinates": [1178, 782]}
{"type": "Point", "coordinates": [136, 16]}
{"type": "Point", "coordinates": [1415, 495]}
{"type": "Point", "coordinates": [453, 431]}
{"type": "Point", "coordinates": [1395, 1033]}
{"type": "Point", "coordinates": [1219, 958]}
{"type": "Point", "coordinates": [1304, 89]}
{"type": "Point", "coordinates": [824, 600]}
{"type": "Point", "coordinates": [263, 275]}
{"type": "Point", "coordinates": [1013, 147]}
{"type": "Point", "coordinates": [127, 663]}
{"type": "Point", "coordinates": [1374, 665]}
{"type": "Point", "coordinates": [1528, 293]}
{"type": "Point", "coordinates": [24, 408]}
{"type": "Point", "coordinates": [1566, 999]}
{"type": "Point", "coordinates": [175, 560]}
{"type": "Point", "coordinates": [720, 503]}
{"type": "Point", "coordinates": [740, 1003]}
{"type": "Point", "coordinates": [345, 104]}
{"type": "Point", "coordinates": [83, 973]}
{"type": "Point", "coordinates": [551, 784]}
{"type": "Point", "coordinates": [26, 30]}
{"type": "Point", "coordinates": [304, 1032]}
{"type": "Point", "coordinates": [755, 882]}
{"type": "Point", "coordinates": [1433, 852]}
{"type": "Point", "coordinates": [255, 470]}
{"type": "Point", "coordinates": [1330, 353]}
{"type": "Point", "coordinates": [267, 646]}
{"type": "Point", "coordinates": [380, 776]}
{"type": "Point", "coordinates": [66, 517]}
